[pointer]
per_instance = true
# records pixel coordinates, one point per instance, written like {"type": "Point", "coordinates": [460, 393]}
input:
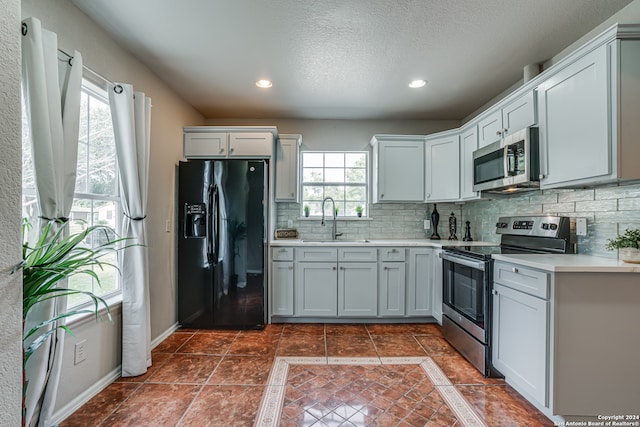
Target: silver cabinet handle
{"type": "Point", "coordinates": [385, 268]}
{"type": "Point", "coordinates": [505, 131]}
{"type": "Point", "coordinates": [221, 150]}
{"type": "Point", "coordinates": [498, 132]}
{"type": "Point", "coordinates": [291, 194]}
{"type": "Point", "coordinates": [381, 196]}
{"type": "Point", "coordinates": [494, 292]}
{"type": "Point", "coordinates": [514, 269]}
{"type": "Point", "coordinates": [231, 150]}
{"type": "Point", "coordinates": [333, 268]}
{"type": "Point", "coordinates": [341, 268]}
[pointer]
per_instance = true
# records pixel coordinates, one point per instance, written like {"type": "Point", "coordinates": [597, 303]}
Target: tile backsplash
{"type": "Point", "coordinates": [608, 210]}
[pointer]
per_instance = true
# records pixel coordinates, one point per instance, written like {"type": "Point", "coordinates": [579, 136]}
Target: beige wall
{"type": "Point", "coordinates": [10, 248]}
{"type": "Point", "coordinates": [169, 114]}
{"type": "Point", "coordinates": [342, 134]}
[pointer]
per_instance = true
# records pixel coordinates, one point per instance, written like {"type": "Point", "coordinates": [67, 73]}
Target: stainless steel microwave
{"type": "Point", "coordinates": [508, 165]}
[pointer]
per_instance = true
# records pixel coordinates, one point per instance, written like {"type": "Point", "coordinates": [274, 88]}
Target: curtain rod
{"type": "Point", "coordinates": [85, 68]}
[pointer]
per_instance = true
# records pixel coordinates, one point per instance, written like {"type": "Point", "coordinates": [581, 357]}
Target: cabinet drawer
{"type": "Point", "coordinates": [316, 254]}
{"type": "Point", "coordinates": [357, 254]}
{"type": "Point", "coordinates": [282, 254]}
{"type": "Point", "coordinates": [392, 254]}
{"type": "Point", "coordinates": [523, 279]}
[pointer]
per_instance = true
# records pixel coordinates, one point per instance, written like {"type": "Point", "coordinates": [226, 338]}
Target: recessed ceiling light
{"type": "Point", "coordinates": [264, 83]}
{"type": "Point", "coordinates": [417, 84]}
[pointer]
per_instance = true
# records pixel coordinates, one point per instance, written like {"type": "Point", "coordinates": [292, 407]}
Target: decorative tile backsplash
{"type": "Point", "coordinates": [608, 210]}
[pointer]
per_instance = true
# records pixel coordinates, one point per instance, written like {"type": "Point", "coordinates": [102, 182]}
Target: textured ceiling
{"type": "Point", "coordinates": [344, 59]}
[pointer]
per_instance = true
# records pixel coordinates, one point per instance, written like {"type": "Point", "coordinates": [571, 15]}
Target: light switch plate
{"type": "Point", "coordinates": [581, 226]}
{"type": "Point", "coordinates": [427, 224]}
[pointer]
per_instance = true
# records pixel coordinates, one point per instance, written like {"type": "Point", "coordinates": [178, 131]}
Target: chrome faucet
{"type": "Point", "coordinates": [334, 234]}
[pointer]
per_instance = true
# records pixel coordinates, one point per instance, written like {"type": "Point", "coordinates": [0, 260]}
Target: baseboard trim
{"type": "Point", "coordinates": [86, 395]}
{"type": "Point", "coordinates": [164, 335]}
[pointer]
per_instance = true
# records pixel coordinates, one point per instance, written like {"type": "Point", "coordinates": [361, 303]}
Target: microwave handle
{"type": "Point", "coordinates": [505, 160]}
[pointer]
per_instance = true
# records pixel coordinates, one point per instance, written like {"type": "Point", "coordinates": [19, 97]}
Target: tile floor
{"type": "Point", "coordinates": [218, 378]}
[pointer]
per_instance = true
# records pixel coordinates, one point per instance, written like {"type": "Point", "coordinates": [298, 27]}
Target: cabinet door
{"type": "Point", "coordinates": [574, 122]}
{"type": "Point", "coordinates": [250, 144]}
{"type": "Point", "coordinates": [468, 144]}
{"type": "Point", "coordinates": [490, 129]}
{"type": "Point", "coordinates": [391, 289]}
{"type": "Point", "coordinates": [442, 170]}
{"type": "Point", "coordinates": [400, 172]}
{"type": "Point", "coordinates": [520, 340]}
{"type": "Point", "coordinates": [437, 286]}
{"type": "Point", "coordinates": [287, 168]}
{"type": "Point", "coordinates": [282, 288]}
{"type": "Point", "coordinates": [357, 286]}
{"type": "Point", "coordinates": [519, 113]}
{"type": "Point", "coordinates": [419, 282]}
{"type": "Point", "coordinates": [205, 145]}
{"type": "Point", "coordinates": [316, 286]}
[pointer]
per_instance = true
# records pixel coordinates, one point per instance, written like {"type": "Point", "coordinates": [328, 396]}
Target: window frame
{"type": "Point", "coordinates": [342, 202]}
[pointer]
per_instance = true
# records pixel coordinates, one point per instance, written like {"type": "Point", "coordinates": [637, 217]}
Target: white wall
{"type": "Point", "coordinates": [169, 114]}
{"type": "Point", "coordinates": [10, 247]}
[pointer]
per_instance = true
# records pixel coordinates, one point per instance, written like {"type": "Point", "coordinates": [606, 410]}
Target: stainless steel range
{"type": "Point", "coordinates": [468, 280]}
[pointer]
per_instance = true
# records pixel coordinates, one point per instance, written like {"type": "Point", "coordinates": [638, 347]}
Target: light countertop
{"type": "Point", "coordinates": [570, 263]}
{"type": "Point", "coordinates": [377, 242]}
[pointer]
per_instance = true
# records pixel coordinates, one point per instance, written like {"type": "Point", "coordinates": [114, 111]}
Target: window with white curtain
{"type": "Point", "coordinates": [96, 199]}
{"type": "Point", "coordinates": [341, 175]}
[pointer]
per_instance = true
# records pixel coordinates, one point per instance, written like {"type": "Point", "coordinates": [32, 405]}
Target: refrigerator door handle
{"type": "Point", "coordinates": [209, 225]}
{"type": "Point", "coordinates": [216, 223]}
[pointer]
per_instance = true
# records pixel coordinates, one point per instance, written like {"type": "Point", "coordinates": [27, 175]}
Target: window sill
{"type": "Point", "coordinates": [115, 306]}
{"type": "Point", "coordinates": [340, 218]}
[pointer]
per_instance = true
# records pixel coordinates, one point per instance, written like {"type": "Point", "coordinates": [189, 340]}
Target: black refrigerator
{"type": "Point", "coordinates": [222, 208]}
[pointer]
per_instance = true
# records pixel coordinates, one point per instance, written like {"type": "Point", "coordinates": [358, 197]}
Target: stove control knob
{"type": "Point", "coordinates": [553, 226]}
{"type": "Point", "coordinates": [545, 226]}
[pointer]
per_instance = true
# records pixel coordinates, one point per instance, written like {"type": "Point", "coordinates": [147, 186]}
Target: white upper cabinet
{"type": "Point", "coordinates": [442, 170]}
{"type": "Point", "coordinates": [589, 113]}
{"type": "Point", "coordinates": [205, 145]}
{"type": "Point", "coordinates": [211, 142]}
{"type": "Point", "coordinates": [398, 168]}
{"type": "Point", "coordinates": [287, 169]}
{"type": "Point", "coordinates": [250, 144]}
{"type": "Point", "coordinates": [468, 144]}
{"type": "Point", "coordinates": [513, 116]}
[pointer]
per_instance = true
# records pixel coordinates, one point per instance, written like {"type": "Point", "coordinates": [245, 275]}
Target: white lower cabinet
{"type": "Point", "coordinates": [436, 275]}
{"type": "Point", "coordinates": [520, 329]}
{"type": "Point", "coordinates": [316, 284]}
{"type": "Point", "coordinates": [282, 288]}
{"type": "Point", "coordinates": [391, 288]}
{"type": "Point", "coordinates": [419, 282]}
{"type": "Point", "coordinates": [357, 289]}
{"type": "Point", "coordinates": [354, 282]}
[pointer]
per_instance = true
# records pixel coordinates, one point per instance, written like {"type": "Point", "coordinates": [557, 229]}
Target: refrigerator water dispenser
{"type": "Point", "coordinates": [195, 220]}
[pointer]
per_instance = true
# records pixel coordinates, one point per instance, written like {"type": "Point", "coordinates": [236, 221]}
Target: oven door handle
{"type": "Point", "coordinates": [478, 265]}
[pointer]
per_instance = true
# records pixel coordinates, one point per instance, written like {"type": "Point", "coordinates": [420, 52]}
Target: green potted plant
{"type": "Point", "coordinates": [359, 211]}
{"type": "Point", "coordinates": [58, 255]}
{"type": "Point", "coordinates": [306, 210]}
{"type": "Point", "coordinates": [628, 245]}
{"type": "Point", "coordinates": [337, 210]}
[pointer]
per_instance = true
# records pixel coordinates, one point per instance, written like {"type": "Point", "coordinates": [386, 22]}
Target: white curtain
{"type": "Point", "coordinates": [52, 98]}
{"type": "Point", "coordinates": [131, 114]}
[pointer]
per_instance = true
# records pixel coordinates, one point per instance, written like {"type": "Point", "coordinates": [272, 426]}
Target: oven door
{"type": "Point", "coordinates": [465, 284]}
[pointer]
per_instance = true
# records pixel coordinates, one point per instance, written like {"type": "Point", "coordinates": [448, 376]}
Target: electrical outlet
{"type": "Point", "coordinates": [581, 226]}
{"type": "Point", "coordinates": [167, 226]}
{"type": "Point", "coordinates": [427, 224]}
{"type": "Point", "coordinates": [290, 223]}
{"type": "Point", "coordinates": [79, 354]}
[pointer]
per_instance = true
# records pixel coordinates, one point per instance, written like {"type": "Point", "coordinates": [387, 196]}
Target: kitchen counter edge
{"type": "Point", "coordinates": [378, 243]}
{"type": "Point", "coordinates": [569, 263]}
